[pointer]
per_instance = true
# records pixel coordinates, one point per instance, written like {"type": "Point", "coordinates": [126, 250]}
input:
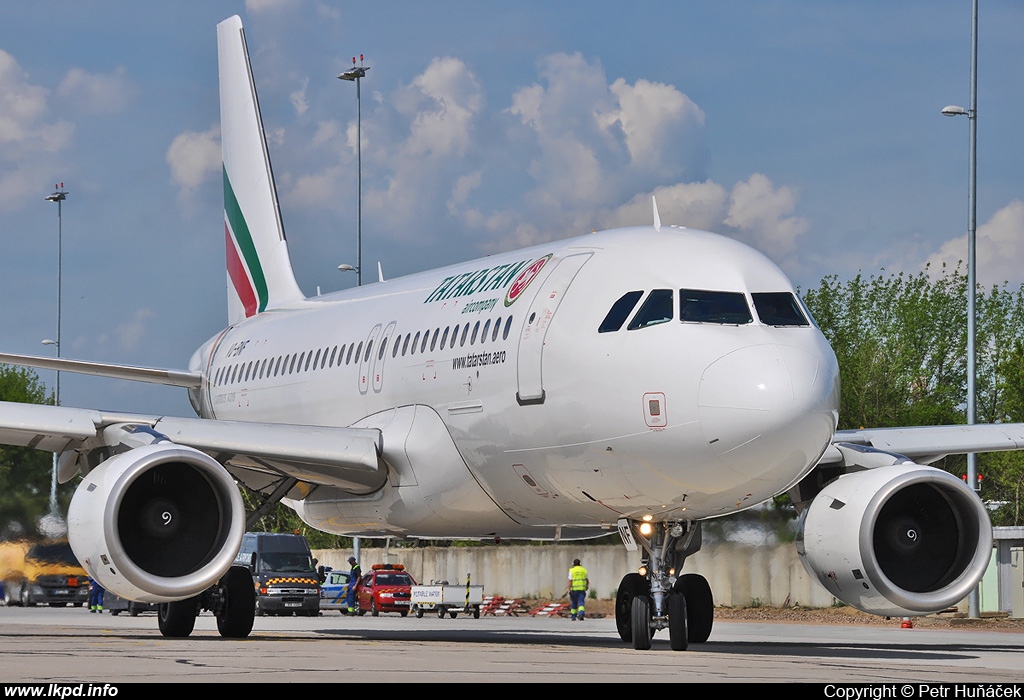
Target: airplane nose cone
{"type": "Point", "coordinates": [768, 407]}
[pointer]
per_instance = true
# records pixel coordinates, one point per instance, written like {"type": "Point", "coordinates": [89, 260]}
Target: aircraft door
{"type": "Point", "coordinates": [379, 357]}
{"type": "Point", "coordinates": [365, 353]}
{"type": "Point", "coordinates": [538, 318]}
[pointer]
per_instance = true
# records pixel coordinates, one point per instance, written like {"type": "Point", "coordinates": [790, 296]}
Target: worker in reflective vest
{"type": "Point", "coordinates": [577, 587]}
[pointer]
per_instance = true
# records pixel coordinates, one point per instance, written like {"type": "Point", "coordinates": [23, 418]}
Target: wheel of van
{"type": "Point", "coordinates": [476, 612]}
{"type": "Point", "coordinates": [440, 613]}
{"type": "Point", "coordinates": [452, 614]}
{"type": "Point", "coordinates": [26, 599]}
{"type": "Point", "coordinates": [419, 613]}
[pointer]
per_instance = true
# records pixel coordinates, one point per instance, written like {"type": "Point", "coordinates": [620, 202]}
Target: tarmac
{"type": "Point", "coordinates": [70, 645]}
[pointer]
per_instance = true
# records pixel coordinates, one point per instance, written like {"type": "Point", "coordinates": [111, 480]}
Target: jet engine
{"type": "Point", "coordinates": [902, 540]}
{"type": "Point", "coordinates": [157, 523]}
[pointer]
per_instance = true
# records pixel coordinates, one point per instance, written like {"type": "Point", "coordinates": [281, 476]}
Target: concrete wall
{"type": "Point", "coordinates": [739, 574]}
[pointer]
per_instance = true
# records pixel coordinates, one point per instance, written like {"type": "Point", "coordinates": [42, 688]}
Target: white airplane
{"type": "Point", "coordinates": [643, 379]}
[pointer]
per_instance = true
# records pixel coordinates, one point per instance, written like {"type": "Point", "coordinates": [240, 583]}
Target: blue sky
{"type": "Point", "coordinates": [809, 129]}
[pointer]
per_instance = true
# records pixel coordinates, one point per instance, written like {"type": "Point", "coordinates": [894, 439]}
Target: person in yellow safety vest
{"type": "Point", "coordinates": [577, 589]}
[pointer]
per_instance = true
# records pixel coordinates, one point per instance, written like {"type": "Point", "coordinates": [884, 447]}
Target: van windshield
{"type": "Point", "coordinates": [286, 561]}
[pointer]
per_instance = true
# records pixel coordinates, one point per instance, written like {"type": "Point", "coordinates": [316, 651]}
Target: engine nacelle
{"type": "Point", "coordinates": [904, 540]}
{"type": "Point", "coordinates": [157, 523]}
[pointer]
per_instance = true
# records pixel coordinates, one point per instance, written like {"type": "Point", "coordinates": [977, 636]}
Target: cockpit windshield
{"type": "Point", "coordinates": [701, 306]}
{"type": "Point", "coordinates": [779, 309]}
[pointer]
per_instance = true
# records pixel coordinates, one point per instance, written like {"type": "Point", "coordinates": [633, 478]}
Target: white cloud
{"type": "Point", "coordinates": [23, 110]}
{"type": "Point", "coordinates": [268, 6]}
{"type": "Point", "coordinates": [700, 205]}
{"type": "Point", "coordinates": [193, 157]}
{"type": "Point", "coordinates": [298, 98]}
{"type": "Point", "coordinates": [653, 117]}
{"type": "Point", "coordinates": [446, 97]}
{"type": "Point", "coordinates": [95, 93]}
{"type": "Point", "coordinates": [759, 209]}
{"type": "Point", "coordinates": [28, 138]}
{"type": "Point", "coordinates": [999, 255]}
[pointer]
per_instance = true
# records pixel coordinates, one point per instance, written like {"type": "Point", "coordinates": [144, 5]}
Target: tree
{"type": "Point", "coordinates": [25, 473]}
{"type": "Point", "coordinates": [901, 343]}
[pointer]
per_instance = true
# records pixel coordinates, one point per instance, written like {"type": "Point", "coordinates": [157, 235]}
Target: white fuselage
{"type": "Point", "coordinates": [506, 412]}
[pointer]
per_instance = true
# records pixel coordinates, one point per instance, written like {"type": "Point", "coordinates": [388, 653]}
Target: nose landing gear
{"type": "Point", "coordinates": [657, 597]}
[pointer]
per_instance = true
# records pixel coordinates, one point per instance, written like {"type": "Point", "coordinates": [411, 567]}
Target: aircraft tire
{"type": "Point", "coordinates": [630, 586]}
{"type": "Point", "coordinates": [700, 606]}
{"type": "Point", "coordinates": [640, 622]}
{"type": "Point", "coordinates": [677, 618]}
{"type": "Point", "coordinates": [236, 618]}
{"type": "Point", "coordinates": [177, 619]}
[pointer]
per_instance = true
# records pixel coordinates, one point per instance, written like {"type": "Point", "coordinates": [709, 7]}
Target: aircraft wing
{"type": "Point", "coordinates": [257, 453]}
{"type": "Point", "coordinates": [924, 444]}
{"type": "Point", "coordinates": [171, 377]}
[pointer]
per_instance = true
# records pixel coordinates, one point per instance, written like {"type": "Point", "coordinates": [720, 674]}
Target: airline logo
{"type": "Point", "coordinates": [244, 268]}
{"type": "Point", "coordinates": [521, 282]}
{"type": "Point", "coordinates": [515, 275]}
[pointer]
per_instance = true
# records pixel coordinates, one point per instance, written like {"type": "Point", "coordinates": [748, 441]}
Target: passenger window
{"type": "Point", "coordinates": [369, 348]}
{"type": "Point", "coordinates": [348, 357]}
{"type": "Point", "coordinates": [465, 332]}
{"type": "Point", "coordinates": [657, 308]}
{"type": "Point", "coordinates": [619, 312]}
{"type": "Point", "coordinates": [778, 309]}
{"type": "Point", "coordinates": [702, 306]}
{"type": "Point", "coordinates": [455, 336]}
{"type": "Point", "coordinates": [497, 328]}
{"type": "Point", "coordinates": [405, 345]}
{"type": "Point", "coordinates": [415, 342]}
{"type": "Point", "coordinates": [316, 359]}
{"type": "Point", "coordinates": [444, 337]}
{"type": "Point", "coordinates": [383, 347]}
{"type": "Point", "coordinates": [423, 345]}
{"type": "Point", "coordinates": [334, 353]}
{"type": "Point", "coordinates": [508, 327]}
{"type": "Point", "coordinates": [483, 333]}
{"type": "Point", "coordinates": [476, 329]}
{"type": "Point", "coordinates": [433, 340]}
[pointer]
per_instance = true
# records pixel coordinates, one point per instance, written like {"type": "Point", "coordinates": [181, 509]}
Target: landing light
{"type": "Point", "coordinates": [642, 571]}
{"type": "Point", "coordinates": [646, 529]}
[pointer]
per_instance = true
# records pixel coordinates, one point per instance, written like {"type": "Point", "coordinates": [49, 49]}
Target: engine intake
{"type": "Point", "coordinates": [902, 540]}
{"type": "Point", "coordinates": [157, 523]}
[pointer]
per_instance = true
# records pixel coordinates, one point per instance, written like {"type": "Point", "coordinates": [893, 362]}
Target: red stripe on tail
{"type": "Point", "coordinates": [236, 271]}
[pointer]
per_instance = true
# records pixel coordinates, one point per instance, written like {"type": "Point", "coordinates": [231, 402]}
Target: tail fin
{"type": "Point", "coordinates": [259, 269]}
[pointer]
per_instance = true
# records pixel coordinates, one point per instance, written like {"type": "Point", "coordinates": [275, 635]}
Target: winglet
{"type": "Point", "coordinates": [259, 269]}
{"type": "Point", "coordinates": [657, 216]}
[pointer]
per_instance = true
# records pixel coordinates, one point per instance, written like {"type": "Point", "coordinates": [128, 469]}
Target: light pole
{"type": "Point", "coordinates": [58, 196]}
{"type": "Point", "coordinates": [357, 73]}
{"type": "Point", "coordinates": [972, 116]}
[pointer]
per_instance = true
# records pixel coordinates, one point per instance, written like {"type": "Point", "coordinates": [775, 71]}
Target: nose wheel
{"type": "Point", "coordinates": [658, 599]}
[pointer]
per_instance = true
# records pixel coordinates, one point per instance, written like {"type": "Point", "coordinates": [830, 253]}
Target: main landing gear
{"type": "Point", "coordinates": [656, 598]}
{"type": "Point", "coordinates": [232, 600]}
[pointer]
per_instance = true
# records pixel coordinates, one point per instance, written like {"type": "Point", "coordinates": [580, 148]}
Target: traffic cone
{"type": "Point", "coordinates": [906, 624]}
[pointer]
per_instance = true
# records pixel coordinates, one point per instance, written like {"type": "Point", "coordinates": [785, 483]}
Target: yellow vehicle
{"type": "Point", "coordinates": [45, 572]}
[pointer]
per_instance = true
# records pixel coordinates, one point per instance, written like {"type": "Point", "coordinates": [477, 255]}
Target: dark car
{"type": "Point", "coordinates": [387, 588]}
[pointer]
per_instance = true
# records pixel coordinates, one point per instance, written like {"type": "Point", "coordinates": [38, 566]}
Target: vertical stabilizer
{"type": "Point", "coordinates": [259, 270]}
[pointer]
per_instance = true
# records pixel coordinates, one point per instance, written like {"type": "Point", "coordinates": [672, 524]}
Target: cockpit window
{"type": "Point", "coordinates": [619, 312]}
{"type": "Point", "coordinates": [701, 306]}
{"type": "Point", "coordinates": [657, 308]}
{"type": "Point", "coordinates": [778, 309]}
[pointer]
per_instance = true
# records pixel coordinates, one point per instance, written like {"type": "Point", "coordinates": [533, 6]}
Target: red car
{"type": "Point", "coordinates": [387, 588]}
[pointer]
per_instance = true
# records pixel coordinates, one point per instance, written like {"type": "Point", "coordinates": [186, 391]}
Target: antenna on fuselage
{"type": "Point", "coordinates": [380, 272]}
{"type": "Point", "coordinates": [657, 216]}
